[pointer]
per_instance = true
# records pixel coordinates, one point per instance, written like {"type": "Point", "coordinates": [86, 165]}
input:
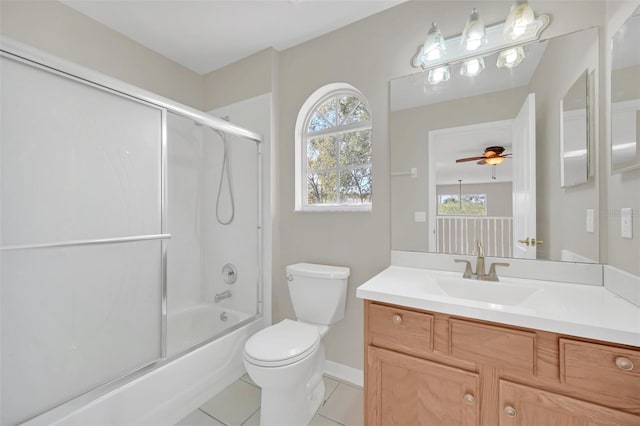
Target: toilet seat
{"type": "Point", "coordinates": [282, 344]}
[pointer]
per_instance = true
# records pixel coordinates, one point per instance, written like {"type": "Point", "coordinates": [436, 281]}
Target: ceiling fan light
{"type": "Point", "coordinates": [510, 58]}
{"type": "Point", "coordinates": [519, 20]}
{"type": "Point", "coordinates": [494, 161]}
{"type": "Point", "coordinates": [472, 67]}
{"type": "Point", "coordinates": [474, 34]}
{"type": "Point", "coordinates": [438, 75]}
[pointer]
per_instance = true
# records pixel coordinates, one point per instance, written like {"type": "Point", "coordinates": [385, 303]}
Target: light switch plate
{"type": "Point", "coordinates": [420, 216]}
{"type": "Point", "coordinates": [590, 221]}
{"type": "Point", "coordinates": [626, 223]}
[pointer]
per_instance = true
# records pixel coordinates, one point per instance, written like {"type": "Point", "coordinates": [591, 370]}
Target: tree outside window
{"type": "Point", "coordinates": [337, 147]}
{"type": "Point", "coordinates": [472, 204]}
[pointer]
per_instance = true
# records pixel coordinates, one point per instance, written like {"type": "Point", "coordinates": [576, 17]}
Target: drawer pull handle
{"type": "Point", "coordinates": [510, 411]}
{"type": "Point", "coordinates": [624, 363]}
{"type": "Point", "coordinates": [468, 398]}
{"type": "Point", "coordinates": [397, 319]}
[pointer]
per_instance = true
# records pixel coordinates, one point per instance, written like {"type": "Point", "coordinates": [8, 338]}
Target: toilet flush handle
{"type": "Point", "coordinates": [289, 277]}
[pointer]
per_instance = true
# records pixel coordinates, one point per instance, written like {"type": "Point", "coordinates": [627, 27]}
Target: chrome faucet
{"type": "Point", "coordinates": [480, 273]}
{"type": "Point", "coordinates": [221, 296]}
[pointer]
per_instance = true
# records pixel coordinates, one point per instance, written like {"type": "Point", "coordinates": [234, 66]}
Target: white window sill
{"type": "Point", "coordinates": [335, 209]}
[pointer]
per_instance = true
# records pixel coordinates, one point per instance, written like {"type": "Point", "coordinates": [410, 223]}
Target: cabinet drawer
{"type": "Point", "coordinates": [400, 329]}
{"type": "Point", "coordinates": [602, 369]}
{"type": "Point", "coordinates": [503, 347]}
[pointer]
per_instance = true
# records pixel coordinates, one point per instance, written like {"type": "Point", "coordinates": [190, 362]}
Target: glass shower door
{"type": "Point", "coordinates": [81, 237]}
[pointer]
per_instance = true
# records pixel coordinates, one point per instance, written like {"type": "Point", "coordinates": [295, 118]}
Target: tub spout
{"type": "Point", "coordinates": [221, 296]}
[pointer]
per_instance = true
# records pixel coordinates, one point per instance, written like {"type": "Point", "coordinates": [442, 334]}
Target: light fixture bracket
{"type": "Point", "coordinates": [495, 43]}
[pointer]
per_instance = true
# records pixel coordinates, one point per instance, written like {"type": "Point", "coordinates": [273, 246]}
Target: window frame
{"type": "Point", "coordinates": [305, 115]}
{"type": "Point", "coordinates": [486, 205]}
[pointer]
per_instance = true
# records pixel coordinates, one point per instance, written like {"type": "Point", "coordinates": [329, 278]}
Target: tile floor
{"type": "Point", "coordinates": [239, 405]}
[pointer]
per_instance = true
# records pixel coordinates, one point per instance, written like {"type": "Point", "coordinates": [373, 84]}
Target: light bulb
{"type": "Point", "coordinates": [511, 57]}
{"type": "Point", "coordinates": [438, 75]}
{"type": "Point", "coordinates": [494, 161]}
{"type": "Point", "coordinates": [474, 34]}
{"type": "Point", "coordinates": [434, 46]}
{"type": "Point", "coordinates": [472, 67]}
{"type": "Point", "coordinates": [520, 17]}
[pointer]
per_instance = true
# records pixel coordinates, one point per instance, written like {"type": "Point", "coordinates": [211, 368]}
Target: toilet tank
{"type": "Point", "coordinates": [318, 292]}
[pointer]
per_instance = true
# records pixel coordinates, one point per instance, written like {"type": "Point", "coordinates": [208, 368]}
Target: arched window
{"type": "Point", "coordinates": [333, 151]}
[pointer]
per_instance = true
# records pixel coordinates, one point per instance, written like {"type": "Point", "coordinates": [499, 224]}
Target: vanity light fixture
{"type": "Point", "coordinates": [510, 58]}
{"type": "Point", "coordinates": [476, 40]}
{"type": "Point", "coordinates": [472, 67]}
{"type": "Point", "coordinates": [474, 34]}
{"type": "Point", "coordinates": [438, 75]}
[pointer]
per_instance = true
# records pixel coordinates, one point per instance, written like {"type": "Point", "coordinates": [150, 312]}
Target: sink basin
{"type": "Point", "coordinates": [483, 291]}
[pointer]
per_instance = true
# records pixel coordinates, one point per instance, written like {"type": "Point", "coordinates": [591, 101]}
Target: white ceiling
{"type": "Point", "coordinates": [205, 35]}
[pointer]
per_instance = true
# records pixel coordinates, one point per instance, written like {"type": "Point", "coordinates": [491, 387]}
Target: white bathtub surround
{"type": "Point", "coordinates": [623, 284]}
{"type": "Point", "coordinates": [579, 310]}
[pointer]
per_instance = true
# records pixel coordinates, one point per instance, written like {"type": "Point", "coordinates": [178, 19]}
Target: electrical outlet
{"type": "Point", "coordinates": [420, 216]}
{"type": "Point", "coordinates": [626, 223]}
{"type": "Point", "coordinates": [590, 221]}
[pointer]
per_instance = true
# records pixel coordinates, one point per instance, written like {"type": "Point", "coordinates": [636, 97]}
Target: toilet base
{"type": "Point", "coordinates": [295, 405]}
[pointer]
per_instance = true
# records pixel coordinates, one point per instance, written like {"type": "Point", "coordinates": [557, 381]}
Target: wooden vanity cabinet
{"type": "Point", "coordinates": [432, 369]}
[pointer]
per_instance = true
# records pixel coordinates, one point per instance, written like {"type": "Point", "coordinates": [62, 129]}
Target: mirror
{"type": "Point", "coordinates": [446, 190]}
{"type": "Point", "coordinates": [574, 134]}
{"type": "Point", "coordinates": [625, 96]}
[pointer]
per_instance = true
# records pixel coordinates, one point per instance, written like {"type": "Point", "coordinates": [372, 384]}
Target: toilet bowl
{"type": "Point", "coordinates": [287, 359]}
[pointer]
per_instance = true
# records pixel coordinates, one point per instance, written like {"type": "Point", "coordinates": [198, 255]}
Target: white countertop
{"type": "Point", "coordinates": [573, 309]}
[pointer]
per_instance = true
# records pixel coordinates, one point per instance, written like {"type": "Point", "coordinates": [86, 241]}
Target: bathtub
{"type": "Point", "coordinates": [168, 391]}
{"type": "Point", "coordinates": [196, 324]}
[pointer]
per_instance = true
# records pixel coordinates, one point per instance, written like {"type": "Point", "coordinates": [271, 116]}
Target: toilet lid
{"type": "Point", "coordinates": [281, 344]}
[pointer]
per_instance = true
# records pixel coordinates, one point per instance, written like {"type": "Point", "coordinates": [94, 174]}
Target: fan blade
{"type": "Point", "coordinates": [462, 160]}
{"type": "Point", "coordinates": [505, 155]}
{"type": "Point", "coordinates": [482, 162]}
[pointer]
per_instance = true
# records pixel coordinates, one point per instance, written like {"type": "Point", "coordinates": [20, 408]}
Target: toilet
{"type": "Point", "coordinates": [287, 359]}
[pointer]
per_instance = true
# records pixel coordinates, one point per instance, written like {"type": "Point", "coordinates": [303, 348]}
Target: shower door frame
{"type": "Point", "coordinates": [17, 51]}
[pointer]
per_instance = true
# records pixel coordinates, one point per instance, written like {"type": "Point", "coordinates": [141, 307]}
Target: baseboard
{"type": "Point", "coordinates": [344, 373]}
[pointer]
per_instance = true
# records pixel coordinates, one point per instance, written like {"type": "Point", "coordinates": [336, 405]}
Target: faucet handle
{"type": "Point", "coordinates": [468, 272]}
{"type": "Point", "coordinates": [493, 276]}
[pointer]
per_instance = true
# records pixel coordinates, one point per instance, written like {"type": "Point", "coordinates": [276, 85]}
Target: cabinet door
{"type": "Point", "coordinates": [403, 390]}
{"type": "Point", "coordinates": [524, 406]}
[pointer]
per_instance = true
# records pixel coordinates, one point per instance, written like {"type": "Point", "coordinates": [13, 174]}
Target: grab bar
{"type": "Point", "coordinates": [76, 243]}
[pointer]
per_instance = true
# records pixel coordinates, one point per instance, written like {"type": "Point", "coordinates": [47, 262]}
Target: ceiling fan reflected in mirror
{"type": "Point", "coordinates": [492, 155]}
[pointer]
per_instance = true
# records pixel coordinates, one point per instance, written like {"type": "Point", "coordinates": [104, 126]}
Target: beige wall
{"type": "Point", "coordinates": [561, 212]}
{"type": "Point", "coordinates": [57, 29]}
{"type": "Point", "coordinates": [244, 79]}
{"type": "Point", "coordinates": [625, 85]}
{"type": "Point", "coordinates": [409, 130]}
{"type": "Point", "coordinates": [621, 189]}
